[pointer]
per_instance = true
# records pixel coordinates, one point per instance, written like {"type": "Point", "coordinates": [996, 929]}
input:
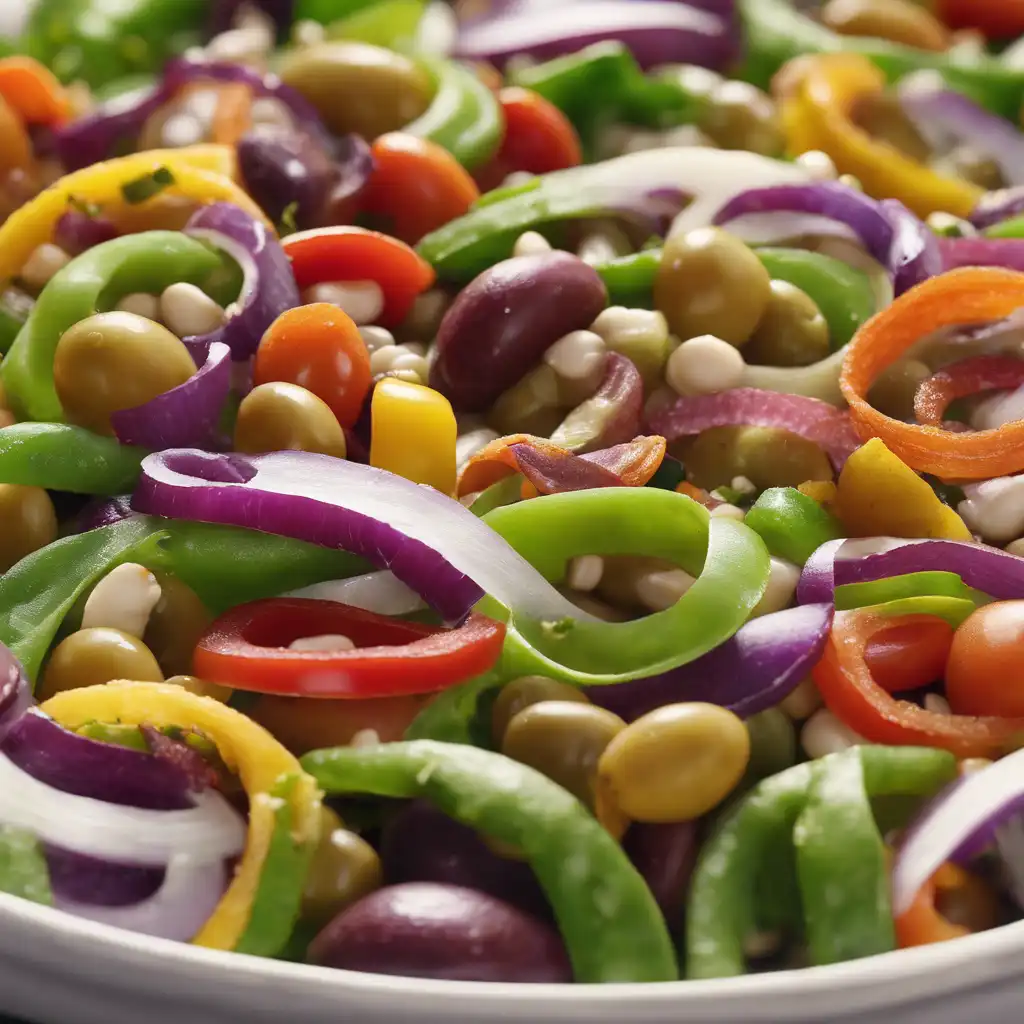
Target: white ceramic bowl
{"type": "Point", "coordinates": [56, 969]}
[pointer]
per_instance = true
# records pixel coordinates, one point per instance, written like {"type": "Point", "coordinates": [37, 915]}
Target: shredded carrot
{"type": "Point", "coordinates": [33, 91]}
{"type": "Point", "coordinates": [233, 116]}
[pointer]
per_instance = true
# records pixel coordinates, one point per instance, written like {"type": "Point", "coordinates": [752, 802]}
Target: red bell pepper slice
{"type": "Point", "coordinates": [997, 19]}
{"type": "Point", "coordinates": [853, 695]}
{"type": "Point", "coordinates": [247, 649]}
{"type": "Point", "coordinates": [963, 378]}
{"type": "Point", "coordinates": [348, 253]}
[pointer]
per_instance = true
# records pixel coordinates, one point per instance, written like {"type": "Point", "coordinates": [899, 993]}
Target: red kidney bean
{"type": "Point", "coordinates": [501, 324]}
{"type": "Point", "coordinates": [665, 855]}
{"type": "Point", "coordinates": [612, 415]}
{"type": "Point", "coordinates": [426, 930]}
{"type": "Point", "coordinates": [422, 844]}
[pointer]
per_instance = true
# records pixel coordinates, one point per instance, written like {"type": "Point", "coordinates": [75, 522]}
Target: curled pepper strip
{"type": "Point", "coordinates": [852, 694]}
{"type": "Point", "coordinates": [818, 114]}
{"type": "Point", "coordinates": [270, 775]}
{"type": "Point", "coordinates": [730, 561]}
{"type": "Point", "coordinates": [968, 295]}
{"type": "Point", "coordinates": [921, 923]}
{"type": "Point", "coordinates": [33, 91]}
{"type": "Point", "coordinates": [963, 378]}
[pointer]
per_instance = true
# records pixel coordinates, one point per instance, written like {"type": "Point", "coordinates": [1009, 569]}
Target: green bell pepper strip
{"type": "Point", "coordinates": [224, 565]}
{"type": "Point", "coordinates": [23, 870]}
{"type": "Point", "coordinates": [791, 524]}
{"type": "Point", "coordinates": [612, 927]}
{"type": "Point", "coordinates": [61, 457]}
{"type": "Point", "coordinates": [100, 41]}
{"type": "Point", "coordinates": [454, 715]}
{"type": "Point", "coordinates": [328, 11]}
{"type": "Point", "coordinates": [730, 561]}
{"type": "Point", "coordinates": [953, 610]}
{"type": "Point", "coordinates": [841, 864]}
{"type": "Point", "coordinates": [775, 33]}
{"type": "Point", "coordinates": [93, 281]}
{"type": "Point", "coordinates": [721, 911]}
{"type": "Point", "coordinates": [504, 492]}
{"type": "Point", "coordinates": [15, 307]}
{"type": "Point", "coordinates": [1012, 227]}
{"type": "Point", "coordinates": [909, 585]}
{"type": "Point", "coordinates": [464, 116]}
{"type": "Point", "coordinates": [391, 24]}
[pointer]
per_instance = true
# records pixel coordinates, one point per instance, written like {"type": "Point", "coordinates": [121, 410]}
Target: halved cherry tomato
{"type": "Point", "coordinates": [349, 253]}
{"type": "Point", "coordinates": [319, 348]}
{"type": "Point", "coordinates": [33, 91]}
{"type": "Point", "coordinates": [416, 185]}
{"type": "Point", "coordinates": [248, 648]}
{"type": "Point", "coordinates": [538, 138]}
{"type": "Point", "coordinates": [908, 657]}
{"type": "Point", "coordinates": [985, 675]}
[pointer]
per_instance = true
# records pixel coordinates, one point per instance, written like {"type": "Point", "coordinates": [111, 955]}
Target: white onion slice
{"type": "Point", "coordinates": [379, 592]}
{"type": "Point", "coordinates": [212, 830]}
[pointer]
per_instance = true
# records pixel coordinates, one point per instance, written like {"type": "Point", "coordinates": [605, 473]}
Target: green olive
{"type": "Point", "coordinates": [114, 361]}
{"type": "Point", "coordinates": [740, 116]}
{"type": "Point", "coordinates": [772, 744]}
{"type": "Point", "coordinates": [675, 763]}
{"type": "Point", "coordinates": [564, 740]}
{"type": "Point", "coordinates": [525, 691]}
{"type": "Point", "coordinates": [767, 456]}
{"type": "Point", "coordinates": [201, 688]}
{"type": "Point", "coordinates": [176, 625]}
{"type": "Point", "coordinates": [531, 406]}
{"type": "Point", "coordinates": [94, 656]}
{"type": "Point", "coordinates": [709, 282]}
{"type": "Point", "coordinates": [894, 390]}
{"type": "Point", "coordinates": [357, 87]}
{"type": "Point", "coordinates": [883, 116]}
{"type": "Point", "coordinates": [28, 522]}
{"type": "Point", "coordinates": [345, 868]}
{"type": "Point", "coordinates": [285, 417]}
{"type": "Point", "coordinates": [792, 331]}
{"type": "Point", "coordinates": [977, 168]}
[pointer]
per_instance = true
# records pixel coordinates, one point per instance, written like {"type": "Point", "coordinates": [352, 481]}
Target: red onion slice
{"type": "Point", "coordinates": [178, 910]}
{"type": "Point", "coordinates": [810, 418]}
{"type": "Point", "coordinates": [982, 252]}
{"type": "Point", "coordinates": [15, 691]}
{"type": "Point", "coordinates": [268, 287]}
{"type": "Point", "coordinates": [430, 542]}
{"type": "Point", "coordinates": [184, 416]}
{"type": "Point", "coordinates": [995, 207]}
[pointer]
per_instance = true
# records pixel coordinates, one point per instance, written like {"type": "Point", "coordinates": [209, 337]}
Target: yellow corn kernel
{"type": "Point", "coordinates": [413, 433]}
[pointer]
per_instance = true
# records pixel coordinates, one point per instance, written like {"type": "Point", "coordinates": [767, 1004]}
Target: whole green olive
{"type": "Point", "coordinates": [176, 624]}
{"type": "Point", "coordinates": [675, 763]}
{"type": "Point", "coordinates": [345, 868]}
{"type": "Point", "coordinates": [767, 456]}
{"type": "Point", "coordinates": [94, 656]}
{"type": "Point", "coordinates": [792, 331]}
{"type": "Point", "coordinates": [28, 521]}
{"type": "Point", "coordinates": [709, 282]}
{"type": "Point", "coordinates": [883, 116]}
{"type": "Point", "coordinates": [978, 168]}
{"type": "Point", "coordinates": [525, 691]}
{"type": "Point", "coordinates": [278, 416]}
{"type": "Point", "coordinates": [894, 390]}
{"type": "Point", "coordinates": [738, 115]}
{"type": "Point", "coordinates": [563, 740]}
{"type": "Point", "coordinates": [773, 744]}
{"type": "Point", "coordinates": [357, 87]}
{"type": "Point", "coordinates": [114, 361]}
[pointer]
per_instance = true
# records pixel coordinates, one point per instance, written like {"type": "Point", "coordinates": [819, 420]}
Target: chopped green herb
{"type": "Point", "coordinates": [288, 225]}
{"type": "Point", "coordinates": [140, 189]}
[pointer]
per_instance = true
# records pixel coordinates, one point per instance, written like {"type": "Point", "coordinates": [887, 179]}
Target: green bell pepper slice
{"type": "Point", "coordinates": [464, 117]}
{"type": "Point", "coordinates": [791, 524]}
{"type": "Point", "coordinates": [953, 610]}
{"type": "Point", "coordinates": [909, 585]}
{"type": "Point", "coordinates": [1012, 227]}
{"type": "Point", "coordinates": [61, 457]}
{"type": "Point", "coordinates": [729, 560]}
{"type": "Point", "coordinates": [391, 24]}
{"type": "Point", "coordinates": [328, 11]}
{"type": "Point", "coordinates": [23, 870]}
{"type": "Point", "coordinates": [612, 927]}
{"type": "Point", "coordinates": [92, 282]}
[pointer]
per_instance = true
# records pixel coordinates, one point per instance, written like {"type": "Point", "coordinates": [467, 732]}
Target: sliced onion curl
{"type": "Point", "coordinates": [15, 691]}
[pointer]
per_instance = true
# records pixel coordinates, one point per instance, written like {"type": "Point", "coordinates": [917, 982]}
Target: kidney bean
{"type": "Point", "coordinates": [501, 324]}
{"type": "Point", "coordinates": [422, 844]}
{"type": "Point", "coordinates": [426, 930]}
{"type": "Point", "coordinates": [611, 416]}
{"type": "Point", "coordinates": [665, 855]}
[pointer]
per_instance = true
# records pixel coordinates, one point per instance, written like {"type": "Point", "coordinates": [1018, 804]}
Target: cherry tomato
{"type": "Point", "coordinates": [911, 656]}
{"type": "Point", "coordinates": [538, 138]}
{"type": "Point", "coordinates": [319, 348]}
{"type": "Point", "coordinates": [417, 186]}
{"type": "Point", "coordinates": [985, 675]}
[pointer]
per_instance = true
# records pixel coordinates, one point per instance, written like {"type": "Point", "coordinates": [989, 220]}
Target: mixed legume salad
{"type": "Point", "coordinates": [514, 491]}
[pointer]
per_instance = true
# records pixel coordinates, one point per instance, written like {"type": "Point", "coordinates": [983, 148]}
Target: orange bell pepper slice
{"type": "Point", "coordinates": [852, 694]}
{"type": "Point", "coordinates": [33, 91]}
{"type": "Point", "coordinates": [817, 113]}
{"type": "Point", "coordinates": [967, 295]}
{"type": "Point", "coordinates": [921, 924]}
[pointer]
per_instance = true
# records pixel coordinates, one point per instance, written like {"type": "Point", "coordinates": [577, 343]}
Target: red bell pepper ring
{"type": "Point", "coordinates": [852, 694]}
{"type": "Point", "coordinates": [997, 19]}
{"type": "Point", "coordinates": [248, 649]}
{"type": "Point", "coordinates": [348, 253]}
{"type": "Point", "coordinates": [963, 378]}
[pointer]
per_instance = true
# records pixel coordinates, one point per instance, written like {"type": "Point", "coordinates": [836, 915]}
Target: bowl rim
{"type": "Point", "coordinates": [885, 980]}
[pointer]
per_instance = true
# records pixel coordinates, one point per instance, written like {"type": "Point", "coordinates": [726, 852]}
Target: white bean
{"type": "Point", "coordinates": [661, 589]}
{"type": "Point", "coordinates": [818, 164]}
{"type": "Point", "coordinates": [531, 243]}
{"type": "Point", "coordinates": [729, 511]}
{"type": "Point", "coordinates": [376, 337]}
{"type": "Point", "coordinates": [189, 311]}
{"type": "Point", "coordinates": [45, 261]}
{"type": "Point", "coordinates": [577, 356]}
{"type": "Point", "coordinates": [781, 588]}
{"type": "Point", "coordinates": [802, 701]}
{"type": "Point", "coordinates": [704, 366]}
{"type": "Point", "coordinates": [585, 572]}
{"type": "Point", "coordinates": [825, 734]}
{"type": "Point", "coordinates": [363, 301]}
{"type": "Point", "coordinates": [141, 304]}
{"type": "Point", "coordinates": [324, 642]}
{"type": "Point", "coordinates": [995, 508]}
{"type": "Point", "coordinates": [124, 599]}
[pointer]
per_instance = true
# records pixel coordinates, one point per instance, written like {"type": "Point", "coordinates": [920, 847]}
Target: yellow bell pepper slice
{"type": "Point", "coordinates": [201, 173]}
{"type": "Point", "coordinates": [413, 433]}
{"type": "Point", "coordinates": [877, 495]}
{"type": "Point", "coordinates": [817, 113]}
{"type": "Point", "coordinates": [246, 748]}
